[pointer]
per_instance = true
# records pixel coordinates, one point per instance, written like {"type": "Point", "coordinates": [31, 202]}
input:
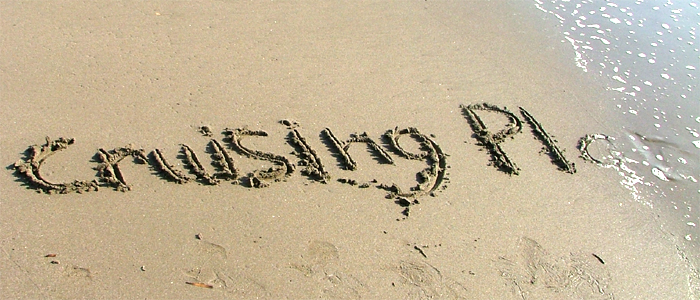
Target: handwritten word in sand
{"type": "Point", "coordinates": [431, 179]}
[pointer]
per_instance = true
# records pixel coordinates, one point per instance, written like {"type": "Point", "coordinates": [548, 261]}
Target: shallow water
{"type": "Point", "coordinates": [646, 55]}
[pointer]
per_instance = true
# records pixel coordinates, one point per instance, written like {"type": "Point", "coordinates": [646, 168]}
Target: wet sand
{"type": "Point", "coordinates": [258, 217]}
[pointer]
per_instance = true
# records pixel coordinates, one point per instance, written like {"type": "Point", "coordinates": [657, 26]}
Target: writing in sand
{"type": "Point", "coordinates": [431, 179]}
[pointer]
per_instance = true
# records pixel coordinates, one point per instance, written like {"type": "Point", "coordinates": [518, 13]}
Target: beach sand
{"type": "Point", "coordinates": [150, 74]}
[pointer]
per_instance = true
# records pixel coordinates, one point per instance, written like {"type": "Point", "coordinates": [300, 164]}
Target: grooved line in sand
{"type": "Point", "coordinates": [169, 170]}
{"type": "Point", "coordinates": [108, 169]}
{"type": "Point", "coordinates": [430, 178]}
{"type": "Point", "coordinates": [37, 156]}
{"type": "Point", "coordinates": [491, 141]}
{"type": "Point", "coordinates": [223, 160]}
{"type": "Point", "coordinates": [551, 145]}
{"type": "Point", "coordinates": [259, 178]}
{"type": "Point", "coordinates": [309, 158]}
{"type": "Point", "coordinates": [196, 166]}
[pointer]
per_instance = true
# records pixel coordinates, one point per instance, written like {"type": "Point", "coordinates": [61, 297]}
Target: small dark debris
{"type": "Point", "coordinates": [352, 182]}
{"type": "Point", "coordinates": [599, 259]}
{"type": "Point", "coordinates": [420, 251]}
{"type": "Point", "coordinates": [205, 130]}
{"type": "Point", "coordinates": [290, 124]}
{"type": "Point", "coordinates": [403, 202]}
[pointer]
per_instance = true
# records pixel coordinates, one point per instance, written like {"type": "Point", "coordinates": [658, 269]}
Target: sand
{"type": "Point", "coordinates": [263, 213]}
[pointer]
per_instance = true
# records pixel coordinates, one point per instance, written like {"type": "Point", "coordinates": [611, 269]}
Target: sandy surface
{"type": "Point", "coordinates": [151, 73]}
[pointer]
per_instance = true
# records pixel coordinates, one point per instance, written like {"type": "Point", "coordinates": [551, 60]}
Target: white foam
{"type": "Point", "coordinates": [659, 174]}
{"type": "Point", "coordinates": [618, 78]}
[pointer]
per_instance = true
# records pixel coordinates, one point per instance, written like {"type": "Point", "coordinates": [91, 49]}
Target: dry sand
{"type": "Point", "coordinates": [151, 73]}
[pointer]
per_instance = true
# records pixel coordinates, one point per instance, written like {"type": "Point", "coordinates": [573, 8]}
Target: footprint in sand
{"type": "Point", "coordinates": [208, 269]}
{"type": "Point", "coordinates": [428, 282]}
{"type": "Point", "coordinates": [321, 262]}
{"type": "Point", "coordinates": [69, 282]}
{"type": "Point", "coordinates": [535, 274]}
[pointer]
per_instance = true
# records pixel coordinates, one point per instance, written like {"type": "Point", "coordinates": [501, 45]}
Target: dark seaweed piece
{"type": "Point", "coordinates": [223, 160]}
{"type": "Point", "coordinates": [108, 170]}
{"type": "Point", "coordinates": [193, 162]}
{"type": "Point", "coordinates": [491, 141]}
{"type": "Point", "coordinates": [30, 167]}
{"type": "Point", "coordinates": [309, 158]}
{"type": "Point", "coordinates": [348, 163]}
{"type": "Point", "coordinates": [556, 154]}
{"type": "Point", "coordinates": [168, 169]}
